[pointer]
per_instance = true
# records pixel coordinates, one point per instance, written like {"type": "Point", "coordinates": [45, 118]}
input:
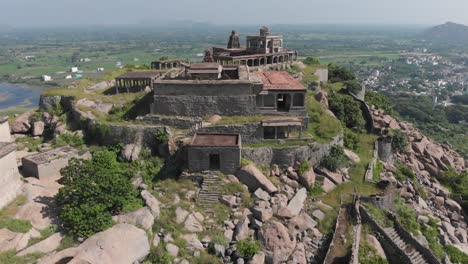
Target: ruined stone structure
{"type": "Point", "coordinates": [385, 149]}
{"type": "Point", "coordinates": [135, 81]}
{"type": "Point", "coordinates": [10, 179]}
{"type": "Point", "coordinates": [214, 152]}
{"type": "Point", "coordinates": [209, 88]}
{"type": "Point", "coordinates": [168, 64]}
{"type": "Point", "coordinates": [261, 51]}
{"type": "Point", "coordinates": [48, 164]}
{"type": "Point", "coordinates": [234, 42]}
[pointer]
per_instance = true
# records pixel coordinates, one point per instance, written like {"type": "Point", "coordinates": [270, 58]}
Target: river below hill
{"type": "Point", "coordinates": [17, 95]}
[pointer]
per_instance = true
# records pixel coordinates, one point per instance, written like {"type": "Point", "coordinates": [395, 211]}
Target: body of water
{"type": "Point", "coordinates": [17, 95]}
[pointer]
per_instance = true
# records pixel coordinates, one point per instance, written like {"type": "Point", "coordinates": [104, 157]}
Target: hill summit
{"type": "Point", "coordinates": [450, 32]}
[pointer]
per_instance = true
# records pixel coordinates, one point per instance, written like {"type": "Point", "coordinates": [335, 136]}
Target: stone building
{"type": "Point", "coordinates": [48, 164]}
{"type": "Point", "coordinates": [263, 50]}
{"type": "Point", "coordinates": [230, 90]}
{"type": "Point", "coordinates": [132, 82]}
{"type": "Point", "coordinates": [214, 152]}
{"type": "Point", "coordinates": [10, 179]}
{"type": "Point", "coordinates": [168, 64]}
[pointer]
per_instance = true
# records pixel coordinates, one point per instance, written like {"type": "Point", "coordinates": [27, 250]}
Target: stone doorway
{"type": "Point", "coordinates": [215, 162]}
{"type": "Point", "coordinates": [283, 102]}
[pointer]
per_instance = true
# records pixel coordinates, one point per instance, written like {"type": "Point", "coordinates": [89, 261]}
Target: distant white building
{"type": "Point", "coordinates": [46, 78]}
{"type": "Point", "coordinates": [68, 77]}
{"type": "Point", "coordinates": [74, 69]}
{"type": "Point", "coordinates": [85, 60]}
{"type": "Point", "coordinates": [100, 69]}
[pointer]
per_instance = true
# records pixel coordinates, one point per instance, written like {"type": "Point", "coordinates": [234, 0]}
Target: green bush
{"type": "Point", "coordinates": [353, 86]}
{"type": "Point", "coordinates": [432, 236]}
{"type": "Point", "coordinates": [455, 255]}
{"type": "Point", "coordinates": [70, 139]}
{"type": "Point", "coordinates": [162, 137]}
{"type": "Point", "coordinates": [347, 110]}
{"type": "Point", "coordinates": [339, 74]}
{"type": "Point", "coordinates": [303, 167]}
{"type": "Point", "coordinates": [247, 248]}
{"type": "Point", "coordinates": [315, 190]}
{"type": "Point", "coordinates": [335, 160]}
{"type": "Point", "coordinates": [14, 225]}
{"type": "Point", "coordinates": [403, 172]}
{"type": "Point", "coordinates": [368, 255]}
{"type": "Point", "coordinates": [311, 61]}
{"type": "Point", "coordinates": [93, 191]}
{"type": "Point", "coordinates": [407, 216]}
{"type": "Point", "coordinates": [351, 139]}
{"type": "Point", "coordinates": [399, 141]}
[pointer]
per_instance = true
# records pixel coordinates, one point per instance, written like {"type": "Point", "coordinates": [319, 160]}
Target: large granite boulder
{"type": "Point", "coordinates": [45, 246]}
{"type": "Point", "coordinates": [121, 244]}
{"type": "Point", "coordinates": [152, 203]}
{"type": "Point", "coordinates": [254, 179]}
{"type": "Point", "coordinates": [22, 124]}
{"type": "Point", "coordinates": [278, 243]}
{"type": "Point", "coordinates": [141, 217]}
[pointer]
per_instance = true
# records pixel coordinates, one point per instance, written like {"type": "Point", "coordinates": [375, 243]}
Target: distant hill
{"type": "Point", "coordinates": [448, 32]}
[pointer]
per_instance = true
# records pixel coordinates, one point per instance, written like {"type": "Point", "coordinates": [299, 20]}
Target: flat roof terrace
{"type": "Point", "coordinates": [139, 74]}
{"type": "Point", "coordinates": [215, 140]}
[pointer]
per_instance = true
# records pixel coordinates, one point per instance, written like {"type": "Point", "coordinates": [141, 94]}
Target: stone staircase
{"type": "Point", "coordinates": [210, 191]}
{"type": "Point", "coordinates": [414, 255]}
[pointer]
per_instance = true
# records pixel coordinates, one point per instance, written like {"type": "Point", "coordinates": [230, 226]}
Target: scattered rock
{"type": "Point", "coordinates": [192, 224]}
{"type": "Point", "coordinates": [423, 219]}
{"type": "Point", "coordinates": [254, 179]}
{"type": "Point", "coordinates": [297, 202]}
{"type": "Point", "coordinates": [299, 255]}
{"type": "Point", "coordinates": [214, 118]}
{"type": "Point", "coordinates": [45, 246]}
{"type": "Point", "coordinates": [319, 215]}
{"type": "Point", "coordinates": [21, 123]}
{"type": "Point", "coordinates": [219, 250]}
{"type": "Point", "coordinates": [374, 242]}
{"type": "Point", "coordinates": [352, 156]}
{"type": "Point", "coordinates": [152, 203]}
{"type": "Point", "coordinates": [141, 217]}
{"type": "Point", "coordinates": [131, 152]}
{"type": "Point", "coordinates": [258, 259]}
{"type": "Point", "coordinates": [181, 215]}
{"type": "Point", "coordinates": [262, 214]}
{"type": "Point", "coordinates": [156, 240]}
{"type": "Point", "coordinates": [38, 129]}
{"type": "Point", "coordinates": [242, 230]}
{"type": "Point", "coordinates": [307, 179]}
{"type": "Point", "coordinates": [452, 205]}
{"type": "Point", "coordinates": [277, 242]}
{"type": "Point", "coordinates": [172, 249]}
{"type": "Point", "coordinates": [301, 223]}
{"type": "Point", "coordinates": [193, 243]}
{"type": "Point", "coordinates": [120, 244]}
{"type": "Point", "coordinates": [261, 194]}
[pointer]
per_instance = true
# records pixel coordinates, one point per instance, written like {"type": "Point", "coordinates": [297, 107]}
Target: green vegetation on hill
{"type": "Point", "coordinates": [347, 110]}
{"type": "Point", "coordinates": [93, 191]}
{"type": "Point", "coordinates": [323, 126]}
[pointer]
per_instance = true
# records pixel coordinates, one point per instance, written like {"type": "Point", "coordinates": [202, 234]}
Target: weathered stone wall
{"type": "Point", "coordinates": [369, 175]}
{"type": "Point", "coordinates": [199, 158]}
{"type": "Point", "coordinates": [250, 132]}
{"type": "Point", "coordinates": [52, 102]}
{"type": "Point", "coordinates": [322, 75]}
{"type": "Point", "coordinates": [385, 150]}
{"type": "Point", "coordinates": [288, 156]}
{"type": "Point", "coordinates": [366, 112]}
{"type": "Point", "coordinates": [329, 259]}
{"type": "Point", "coordinates": [193, 105]}
{"type": "Point", "coordinates": [10, 179]}
{"type": "Point", "coordinates": [204, 88]}
{"type": "Point", "coordinates": [4, 129]}
{"type": "Point", "coordinates": [392, 251]}
{"type": "Point", "coordinates": [178, 122]}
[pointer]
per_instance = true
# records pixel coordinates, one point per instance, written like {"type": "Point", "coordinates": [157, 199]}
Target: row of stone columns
{"type": "Point", "coordinates": [132, 83]}
{"type": "Point", "coordinates": [267, 60]}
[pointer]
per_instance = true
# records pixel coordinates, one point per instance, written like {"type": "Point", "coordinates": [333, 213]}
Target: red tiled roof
{"type": "Point", "coordinates": [279, 80]}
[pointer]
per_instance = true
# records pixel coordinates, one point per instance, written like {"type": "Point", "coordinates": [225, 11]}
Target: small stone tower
{"type": "Point", "coordinates": [234, 42]}
{"type": "Point", "coordinates": [385, 149]}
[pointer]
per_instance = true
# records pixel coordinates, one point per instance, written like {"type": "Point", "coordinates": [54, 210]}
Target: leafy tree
{"type": "Point", "coordinates": [399, 140]}
{"type": "Point", "coordinates": [311, 61]}
{"type": "Point", "coordinates": [351, 139]}
{"type": "Point", "coordinates": [335, 160]}
{"type": "Point", "coordinates": [347, 110]}
{"type": "Point", "coordinates": [380, 101]}
{"type": "Point", "coordinates": [93, 191]}
{"type": "Point", "coordinates": [339, 74]}
{"type": "Point", "coordinates": [353, 86]}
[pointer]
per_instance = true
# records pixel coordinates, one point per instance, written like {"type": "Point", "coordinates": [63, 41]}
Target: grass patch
{"type": "Point", "coordinates": [379, 215]}
{"type": "Point", "coordinates": [323, 126]}
{"type": "Point", "coordinates": [10, 257]}
{"type": "Point", "coordinates": [45, 233]}
{"type": "Point", "coordinates": [278, 144]}
{"type": "Point", "coordinates": [15, 225]}
{"type": "Point", "coordinates": [33, 145]}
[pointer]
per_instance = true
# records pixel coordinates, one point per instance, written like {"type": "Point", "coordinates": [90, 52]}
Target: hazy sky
{"type": "Point", "coordinates": [110, 12]}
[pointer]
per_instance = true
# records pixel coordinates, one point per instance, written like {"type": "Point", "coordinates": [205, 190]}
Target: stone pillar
{"type": "Point", "coordinates": [385, 150]}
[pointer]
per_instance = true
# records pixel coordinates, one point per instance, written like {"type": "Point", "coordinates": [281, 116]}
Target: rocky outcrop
{"type": "Point", "coordinates": [121, 244]}
{"type": "Point", "coordinates": [277, 242]}
{"type": "Point", "coordinates": [254, 179]}
{"type": "Point", "coordinates": [22, 123]}
{"type": "Point", "coordinates": [45, 246]}
{"type": "Point", "coordinates": [141, 217]}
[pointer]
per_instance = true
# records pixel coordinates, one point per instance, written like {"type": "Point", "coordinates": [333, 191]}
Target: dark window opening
{"type": "Point", "coordinates": [298, 99]}
{"type": "Point", "coordinates": [215, 163]}
{"type": "Point", "coordinates": [268, 100]}
{"type": "Point", "coordinates": [283, 102]}
{"type": "Point", "coordinates": [268, 133]}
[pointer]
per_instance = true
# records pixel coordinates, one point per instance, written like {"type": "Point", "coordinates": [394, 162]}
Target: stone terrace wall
{"type": "Point", "coordinates": [178, 122]}
{"type": "Point", "coordinates": [52, 102]}
{"type": "Point", "coordinates": [287, 156]}
{"type": "Point", "coordinates": [192, 105]}
{"type": "Point", "coordinates": [250, 132]}
{"type": "Point", "coordinates": [10, 180]}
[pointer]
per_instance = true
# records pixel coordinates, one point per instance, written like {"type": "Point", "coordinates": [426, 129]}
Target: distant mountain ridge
{"type": "Point", "coordinates": [450, 32]}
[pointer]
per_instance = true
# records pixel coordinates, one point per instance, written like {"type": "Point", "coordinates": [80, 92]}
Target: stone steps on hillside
{"type": "Point", "coordinates": [210, 191]}
{"type": "Point", "coordinates": [414, 255]}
